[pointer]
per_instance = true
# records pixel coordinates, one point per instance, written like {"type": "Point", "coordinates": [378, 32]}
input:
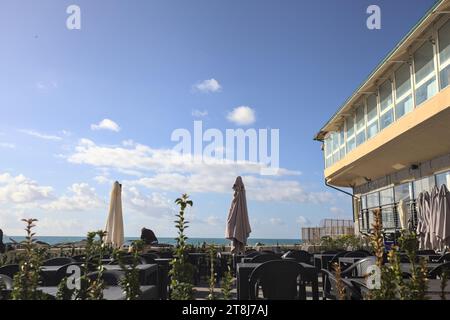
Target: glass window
{"type": "Point", "coordinates": [350, 127]}
{"type": "Point", "coordinates": [342, 151]}
{"type": "Point", "coordinates": [373, 200]}
{"type": "Point", "coordinates": [444, 54]}
{"type": "Point", "coordinates": [425, 184]}
{"type": "Point", "coordinates": [404, 102]}
{"type": "Point", "coordinates": [443, 178]}
{"type": "Point", "coordinates": [335, 138]}
{"type": "Point", "coordinates": [342, 137]}
{"type": "Point", "coordinates": [403, 192]}
{"type": "Point", "coordinates": [363, 202]}
{"type": "Point", "coordinates": [372, 116]}
{"type": "Point", "coordinates": [360, 119]}
{"type": "Point", "coordinates": [351, 144]}
{"type": "Point", "coordinates": [385, 95]}
{"type": "Point", "coordinates": [360, 138]}
{"type": "Point", "coordinates": [386, 119]}
{"type": "Point", "coordinates": [328, 145]}
{"type": "Point", "coordinates": [424, 73]}
{"type": "Point", "coordinates": [387, 196]}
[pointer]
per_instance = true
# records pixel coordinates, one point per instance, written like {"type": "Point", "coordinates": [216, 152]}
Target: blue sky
{"type": "Point", "coordinates": [139, 64]}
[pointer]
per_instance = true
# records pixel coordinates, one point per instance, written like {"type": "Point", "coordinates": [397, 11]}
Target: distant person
{"type": "Point", "coordinates": [2, 245]}
{"type": "Point", "coordinates": [148, 236]}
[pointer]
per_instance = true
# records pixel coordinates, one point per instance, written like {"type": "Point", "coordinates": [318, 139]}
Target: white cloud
{"type": "Point", "coordinates": [106, 124]}
{"type": "Point", "coordinates": [337, 211]}
{"type": "Point", "coordinates": [20, 189]}
{"type": "Point", "coordinates": [46, 85]}
{"type": "Point", "coordinates": [156, 204]}
{"type": "Point", "coordinates": [80, 197]}
{"type": "Point", "coordinates": [303, 221]}
{"type": "Point", "coordinates": [210, 85]}
{"type": "Point", "coordinates": [276, 221]}
{"type": "Point", "coordinates": [41, 135]}
{"type": "Point", "coordinates": [170, 171]}
{"type": "Point", "coordinates": [199, 113]}
{"type": "Point", "coordinates": [242, 115]}
{"type": "Point", "coordinates": [102, 180]}
{"type": "Point", "coordinates": [7, 145]}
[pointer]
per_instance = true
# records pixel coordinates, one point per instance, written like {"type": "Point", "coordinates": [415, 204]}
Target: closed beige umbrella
{"type": "Point", "coordinates": [238, 225]}
{"type": "Point", "coordinates": [114, 224]}
{"type": "Point", "coordinates": [443, 217]}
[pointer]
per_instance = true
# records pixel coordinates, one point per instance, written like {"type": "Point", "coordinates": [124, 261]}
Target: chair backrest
{"type": "Point", "coordinates": [330, 252]}
{"type": "Point", "coordinates": [265, 257]}
{"type": "Point", "coordinates": [252, 254]}
{"type": "Point", "coordinates": [9, 270]}
{"type": "Point", "coordinates": [335, 259]}
{"type": "Point", "coordinates": [165, 254]}
{"type": "Point", "coordinates": [330, 287]}
{"type": "Point", "coordinates": [149, 257]}
{"type": "Point", "coordinates": [444, 258]}
{"type": "Point", "coordinates": [359, 268]}
{"type": "Point", "coordinates": [277, 278]}
{"type": "Point", "coordinates": [437, 271]}
{"type": "Point", "coordinates": [128, 259]}
{"type": "Point", "coordinates": [110, 278]}
{"type": "Point", "coordinates": [60, 261]}
{"type": "Point", "coordinates": [299, 256]}
{"type": "Point", "coordinates": [6, 281]}
{"type": "Point", "coordinates": [425, 252]}
{"type": "Point", "coordinates": [357, 254]}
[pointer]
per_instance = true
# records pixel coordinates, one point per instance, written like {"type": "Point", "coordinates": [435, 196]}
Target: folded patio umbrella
{"type": "Point", "coordinates": [443, 221]}
{"type": "Point", "coordinates": [433, 216]}
{"type": "Point", "coordinates": [427, 220]}
{"type": "Point", "coordinates": [238, 225]}
{"type": "Point", "coordinates": [114, 224]}
{"type": "Point", "coordinates": [403, 214]}
{"type": "Point", "coordinates": [420, 229]}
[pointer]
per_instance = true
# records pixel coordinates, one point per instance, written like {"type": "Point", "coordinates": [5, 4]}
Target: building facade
{"type": "Point", "coordinates": [391, 139]}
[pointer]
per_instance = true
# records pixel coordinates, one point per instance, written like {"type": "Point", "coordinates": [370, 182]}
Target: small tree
{"type": "Point", "coordinates": [26, 281]}
{"type": "Point", "coordinates": [182, 271]}
{"type": "Point", "coordinates": [212, 276]}
{"type": "Point", "coordinates": [130, 282]}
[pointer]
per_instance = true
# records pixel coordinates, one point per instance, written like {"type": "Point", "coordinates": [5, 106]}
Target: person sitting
{"type": "Point", "coordinates": [148, 236]}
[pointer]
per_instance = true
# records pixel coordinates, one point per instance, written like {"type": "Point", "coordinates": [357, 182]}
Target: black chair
{"type": "Point", "coordinates": [56, 278]}
{"type": "Point", "coordinates": [128, 259]}
{"type": "Point", "coordinates": [425, 252]}
{"type": "Point", "coordinates": [357, 254]}
{"type": "Point", "coordinates": [60, 261]}
{"type": "Point", "coordinates": [444, 258]}
{"type": "Point", "coordinates": [330, 287]}
{"type": "Point", "coordinates": [165, 254]}
{"type": "Point", "coordinates": [330, 252]}
{"type": "Point", "coordinates": [6, 281]}
{"type": "Point", "coordinates": [278, 280]}
{"type": "Point", "coordinates": [437, 271]}
{"type": "Point", "coordinates": [149, 258]}
{"type": "Point", "coordinates": [299, 256]}
{"type": "Point", "coordinates": [335, 259]}
{"type": "Point", "coordinates": [252, 254]}
{"type": "Point", "coordinates": [264, 258]}
{"type": "Point", "coordinates": [79, 258]}
{"type": "Point", "coordinates": [6, 285]}
{"type": "Point", "coordinates": [359, 268]}
{"type": "Point", "coordinates": [9, 270]}
{"type": "Point", "coordinates": [110, 277]}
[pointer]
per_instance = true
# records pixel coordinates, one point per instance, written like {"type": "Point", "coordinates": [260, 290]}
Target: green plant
{"type": "Point", "coordinates": [182, 271]}
{"type": "Point", "coordinates": [130, 282]}
{"type": "Point", "coordinates": [26, 281]}
{"type": "Point", "coordinates": [227, 285]}
{"type": "Point", "coordinates": [64, 293]}
{"type": "Point", "coordinates": [212, 277]}
{"type": "Point", "coordinates": [340, 287]}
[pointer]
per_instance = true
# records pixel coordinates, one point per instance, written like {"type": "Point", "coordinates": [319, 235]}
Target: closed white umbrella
{"type": "Point", "coordinates": [114, 224]}
{"type": "Point", "coordinates": [427, 216]}
{"type": "Point", "coordinates": [443, 220]}
{"type": "Point", "coordinates": [434, 217]}
{"type": "Point", "coordinates": [238, 225]}
{"type": "Point", "coordinates": [420, 230]}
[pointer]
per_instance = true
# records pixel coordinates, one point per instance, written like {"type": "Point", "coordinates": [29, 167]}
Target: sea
{"type": "Point", "coordinates": [194, 241]}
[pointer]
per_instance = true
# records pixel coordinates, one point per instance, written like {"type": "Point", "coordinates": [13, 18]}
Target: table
{"type": "Point", "coordinates": [110, 292]}
{"type": "Point", "coordinates": [244, 270]}
{"type": "Point", "coordinates": [147, 272]}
